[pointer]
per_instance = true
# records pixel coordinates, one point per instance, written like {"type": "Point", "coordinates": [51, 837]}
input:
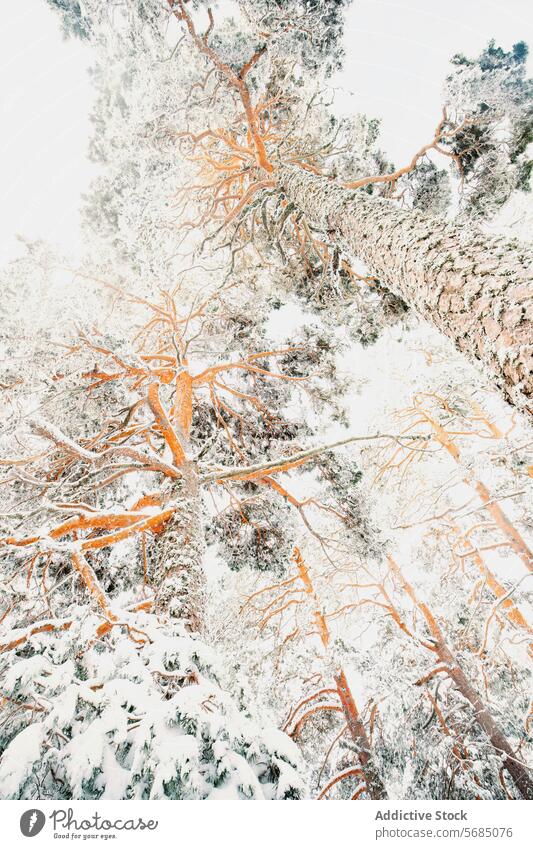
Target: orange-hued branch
{"type": "Point", "coordinates": [290, 592]}
{"type": "Point", "coordinates": [235, 81]}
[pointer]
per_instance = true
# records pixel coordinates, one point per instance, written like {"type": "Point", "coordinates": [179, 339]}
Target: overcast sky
{"type": "Point", "coordinates": [397, 55]}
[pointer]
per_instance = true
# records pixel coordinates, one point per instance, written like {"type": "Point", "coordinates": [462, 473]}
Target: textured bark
{"type": "Point", "coordinates": [179, 579]}
{"type": "Point", "coordinates": [475, 288]}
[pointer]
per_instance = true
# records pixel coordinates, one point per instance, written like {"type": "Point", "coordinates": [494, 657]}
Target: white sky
{"type": "Point", "coordinates": [45, 97]}
{"type": "Point", "coordinates": [397, 55]}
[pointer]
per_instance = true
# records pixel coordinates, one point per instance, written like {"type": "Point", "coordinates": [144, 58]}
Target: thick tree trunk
{"type": "Point", "coordinates": [179, 579]}
{"type": "Point", "coordinates": [475, 288]}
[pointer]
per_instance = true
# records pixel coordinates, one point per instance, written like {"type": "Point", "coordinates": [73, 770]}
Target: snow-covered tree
{"type": "Point", "coordinates": [263, 532]}
{"type": "Point", "coordinates": [169, 413]}
{"type": "Point", "coordinates": [494, 156]}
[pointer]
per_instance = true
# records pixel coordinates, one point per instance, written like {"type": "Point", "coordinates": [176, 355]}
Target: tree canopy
{"type": "Point", "coordinates": [266, 457]}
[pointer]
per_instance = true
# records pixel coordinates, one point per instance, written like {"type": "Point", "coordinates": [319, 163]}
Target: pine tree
{"type": "Point", "coordinates": [129, 691]}
{"type": "Point", "coordinates": [193, 565]}
{"type": "Point", "coordinates": [423, 260]}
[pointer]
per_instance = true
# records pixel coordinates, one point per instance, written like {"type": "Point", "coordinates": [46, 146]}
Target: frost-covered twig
{"type": "Point", "coordinates": [284, 463]}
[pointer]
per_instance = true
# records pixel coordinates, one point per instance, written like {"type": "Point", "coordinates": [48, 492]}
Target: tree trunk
{"type": "Point", "coordinates": [374, 784]}
{"type": "Point", "coordinates": [516, 542]}
{"type": "Point", "coordinates": [179, 579]}
{"type": "Point", "coordinates": [518, 771]}
{"type": "Point", "coordinates": [475, 288]}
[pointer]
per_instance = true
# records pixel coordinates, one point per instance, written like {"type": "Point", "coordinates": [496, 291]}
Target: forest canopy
{"type": "Point", "coordinates": [266, 444]}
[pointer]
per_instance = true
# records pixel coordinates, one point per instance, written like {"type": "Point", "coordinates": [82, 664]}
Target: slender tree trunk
{"type": "Point", "coordinates": [508, 607]}
{"type": "Point", "coordinates": [519, 772]}
{"type": "Point", "coordinates": [374, 784]}
{"type": "Point", "coordinates": [475, 288]}
{"type": "Point", "coordinates": [179, 579]}
{"type": "Point", "coordinates": [516, 542]}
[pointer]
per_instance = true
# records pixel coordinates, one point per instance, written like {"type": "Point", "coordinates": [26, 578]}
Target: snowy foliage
{"type": "Point", "coordinates": [192, 606]}
{"type": "Point", "coordinates": [494, 154]}
{"type": "Point", "coordinates": [128, 723]}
